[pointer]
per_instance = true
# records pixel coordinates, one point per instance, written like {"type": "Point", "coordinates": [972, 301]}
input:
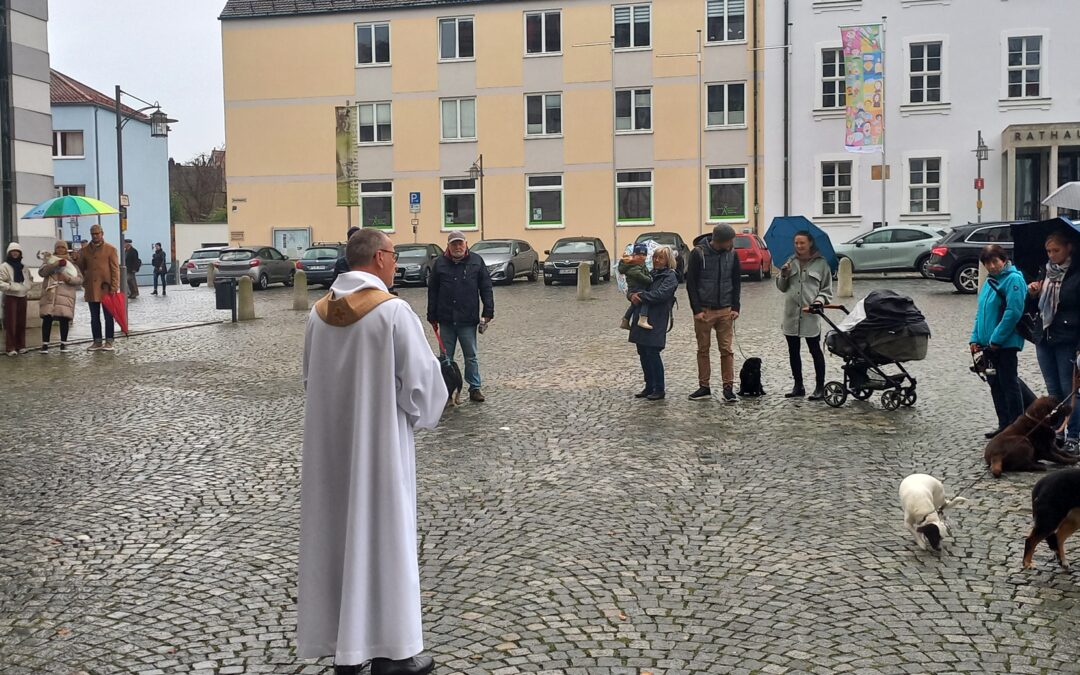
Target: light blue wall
{"type": "Point", "coordinates": [146, 178]}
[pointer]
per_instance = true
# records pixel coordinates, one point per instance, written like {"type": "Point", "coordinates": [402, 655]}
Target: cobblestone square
{"type": "Point", "coordinates": [149, 506]}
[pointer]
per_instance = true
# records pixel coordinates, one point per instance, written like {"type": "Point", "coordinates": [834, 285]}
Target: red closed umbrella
{"type": "Point", "coordinates": [115, 304]}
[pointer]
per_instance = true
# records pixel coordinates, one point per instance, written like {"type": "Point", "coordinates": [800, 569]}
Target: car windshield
{"type": "Point", "coordinates": [574, 247]}
{"type": "Point", "coordinates": [742, 242]}
{"type": "Point", "coordinates": [319, 253]}
{"type": "Point", "coordinates": [202, 255]}
{"type": "Point", "coordinates": [412, 252]}
{"type": "Point", "coordinates": [237, 255]}
{"type": "Point", "coordinates": [662, 239]}
{"type": "Point", "coordinates": [491, 247]}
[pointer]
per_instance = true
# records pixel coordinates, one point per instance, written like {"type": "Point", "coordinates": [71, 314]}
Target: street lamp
{"type": "Point", "coordinates": [982, 153]}
{"type": "Point", "coordinates": [476, 171]}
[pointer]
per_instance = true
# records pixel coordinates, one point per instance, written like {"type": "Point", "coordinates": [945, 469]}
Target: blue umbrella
{"type": "Point", "coordinates": [781, 239]}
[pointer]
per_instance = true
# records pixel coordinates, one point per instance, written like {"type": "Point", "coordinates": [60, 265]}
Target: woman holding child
{"type": "Point", "coordinates": [659, 296]}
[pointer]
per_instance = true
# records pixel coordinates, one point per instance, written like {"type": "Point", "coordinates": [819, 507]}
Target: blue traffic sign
{"type": "Point", "coordinates": [414, 199]}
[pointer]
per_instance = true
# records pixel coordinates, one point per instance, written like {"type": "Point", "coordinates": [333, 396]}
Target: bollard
{"type": "Point", "coordinates": [982, 275]}
{"type": "Point", "coordinates": [584, 280]}
{"type": "Point", "coordinates": [210, 274]}
{"type": "Point", "coordinates": [843, 279]}
{"type": "Point", "coordinates": [245, 301]}
{"type": "Point", "coordinates": [299, 291]}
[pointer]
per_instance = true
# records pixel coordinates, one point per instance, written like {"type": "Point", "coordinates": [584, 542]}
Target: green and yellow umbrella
{"type": "Point", "coordinates": [68, 206]}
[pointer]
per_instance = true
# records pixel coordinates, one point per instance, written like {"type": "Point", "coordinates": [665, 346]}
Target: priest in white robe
{"type": "Point", "coordinates": [373, 380]}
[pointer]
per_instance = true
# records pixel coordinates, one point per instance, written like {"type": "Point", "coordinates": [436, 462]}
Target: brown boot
{"type": "Point", "coordinates": [476, 396]}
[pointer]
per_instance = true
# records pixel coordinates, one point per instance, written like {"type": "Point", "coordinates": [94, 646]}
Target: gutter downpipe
{"type": "Point", "coordinates": [757, 90]}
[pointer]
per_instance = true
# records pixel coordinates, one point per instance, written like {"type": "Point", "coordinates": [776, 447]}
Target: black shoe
{"type": "Point", "coordinates": [655, 396]}
{"type": "Point", "coordinates": [416, 665]}
{"type": "Point", "coordinates": [796, 392]}
{"type": "Point", "coordinates": [347, 670]}
{"type": "Point", "coordinates": [991, 434]}
{"type": "Point", "coordinates": [817, 395]}
{"type": "Point", "coordinates": [729, 395]}
{"type": "Point", "coordinates": [643, 393]}
{"type": "Point", "coordinates": [701, 394]}
{"type": "Point", "coordinates": [154, 293]}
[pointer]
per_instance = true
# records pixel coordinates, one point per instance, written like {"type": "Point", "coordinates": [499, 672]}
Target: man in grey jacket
{"type": "Point", "coordinates": [713, 283]}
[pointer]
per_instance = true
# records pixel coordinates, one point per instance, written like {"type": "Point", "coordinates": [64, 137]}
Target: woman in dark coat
{"type": "Point", "coordinates": [660, 297]}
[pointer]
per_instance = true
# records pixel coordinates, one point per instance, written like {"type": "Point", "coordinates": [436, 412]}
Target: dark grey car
{"type": "Point", "coordinates": [265, 265]}
{"type": "Point", "coordinates": [414, 263]}
{"type": "Point", "coordinates": [569, 252]}
{"type": "Point", "coordinates": [507, 259]}
{"type": "Point", "coordinates": [318, 261]}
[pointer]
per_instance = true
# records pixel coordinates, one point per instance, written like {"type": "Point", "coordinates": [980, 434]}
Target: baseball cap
{"type": "Point", "coordinates": [455, 235]}
{"type": "Point", "coordinates": [640, 249]}
{"type": "Point", "coordinates": [723, 232]}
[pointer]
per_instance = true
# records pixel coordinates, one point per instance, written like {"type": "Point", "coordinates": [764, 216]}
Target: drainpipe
{"type": "Point", "coordinates": [787, 108]}
{"type": "Point", "coordinates": [757, 89]}
{"type": "Point", "coordinates": [7, 136]}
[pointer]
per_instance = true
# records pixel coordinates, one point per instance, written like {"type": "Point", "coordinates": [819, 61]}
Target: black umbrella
{"type": "Point", "coordinates": [1029, 243]}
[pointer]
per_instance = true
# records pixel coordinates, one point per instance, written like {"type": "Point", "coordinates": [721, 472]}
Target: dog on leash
{"type": "Point", "coordinates": [922, 497]}
{"type": "Point", "coordinates": [1055, 507]}
{"type": "Point", "coordinates": [451, 374]}
{"type": "Point", "coordinates": [750, 378]}
{"type": "Point", "coordinates": [1029, 440]}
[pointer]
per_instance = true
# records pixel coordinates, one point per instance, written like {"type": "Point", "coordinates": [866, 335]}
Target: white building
{"type": "Point", "coordinates": [952, 68]}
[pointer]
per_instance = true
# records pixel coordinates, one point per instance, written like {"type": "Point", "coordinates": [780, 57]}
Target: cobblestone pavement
{"type": "Point", "coordinates": [148, 508]}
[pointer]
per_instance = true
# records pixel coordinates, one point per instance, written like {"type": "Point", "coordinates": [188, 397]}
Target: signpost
{"type": "Point", "coordinates": [414, 208]}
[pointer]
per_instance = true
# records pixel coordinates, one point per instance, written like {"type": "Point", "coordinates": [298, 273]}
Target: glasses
{"type": "Point", "coordinates": [391, 252]}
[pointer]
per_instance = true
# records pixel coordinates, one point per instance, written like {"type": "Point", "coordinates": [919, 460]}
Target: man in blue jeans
{"type": "Point", "coordinates": [457, 286]}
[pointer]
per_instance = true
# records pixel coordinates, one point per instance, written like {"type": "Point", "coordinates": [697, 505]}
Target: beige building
{"type": "Point", "coordinates": [588, 118]}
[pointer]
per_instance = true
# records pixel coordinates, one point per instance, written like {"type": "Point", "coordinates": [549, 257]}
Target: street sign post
{"type": "Point", "coordinates": [414, 202]}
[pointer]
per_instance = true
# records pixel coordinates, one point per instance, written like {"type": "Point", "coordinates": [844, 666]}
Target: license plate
{"type": "Point", "coordinates": [567, 271]}
{"type": "Point", "coordinates": [318, 268]}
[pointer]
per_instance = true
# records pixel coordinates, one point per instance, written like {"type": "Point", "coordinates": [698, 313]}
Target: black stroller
{"type": "Point", "coordinates": [885, 329]}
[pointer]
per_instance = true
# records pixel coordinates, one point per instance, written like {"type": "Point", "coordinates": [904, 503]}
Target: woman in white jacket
{"type": "Point", "coordinates": [805, 279]}
{"type": "Point", "coordinates": [15, 283]}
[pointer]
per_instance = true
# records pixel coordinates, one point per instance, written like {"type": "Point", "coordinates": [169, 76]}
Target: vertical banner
{"type": "Point", "coordinates": [864, 63]}
{"type": "Point", "coordinates": [345, 118]}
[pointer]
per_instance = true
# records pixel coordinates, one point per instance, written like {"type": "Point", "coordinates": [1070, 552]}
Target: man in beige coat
{"type": "Point", "coordinates": [100, 267]}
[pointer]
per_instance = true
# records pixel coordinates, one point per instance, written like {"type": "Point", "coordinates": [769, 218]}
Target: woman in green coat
{"type": "Point", "coordinates": [805, 279]}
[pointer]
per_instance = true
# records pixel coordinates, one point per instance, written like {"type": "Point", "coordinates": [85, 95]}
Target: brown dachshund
{"type": "Point", "coordinates": [1029, 440]}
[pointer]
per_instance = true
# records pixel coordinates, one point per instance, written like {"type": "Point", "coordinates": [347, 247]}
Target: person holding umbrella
{"type": "Point", "coordinates": [99, 263]}
{"type": "Point", "coordinates": [805, 280]}
{"type": "Point", "coordinates": [15, 283]}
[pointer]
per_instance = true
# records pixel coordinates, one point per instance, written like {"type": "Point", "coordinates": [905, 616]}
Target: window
{"type": "Point", "coordinates": [727, 104]}
{"type": "Point", "coordinates": [633, 110]}
{"type": "Point", "coordinates": [726, 20]}
{"type": "Point", "coordinates": [543, 114]}
{"type": "Point", "coordinates": [372, 44]}
{"type": "Point", "coordinates": [374, 124]}
{"type": "Point", "coordinates": [545, 201]}
{"type": "Point", "coordinates": [67, 144]}
{"type": "Point", "coordinates": [458, 119]}
{"type": "Point", "coordinates": [924, 185]}
{"type": "Point", "coordinates": [456, 38]}
{"type": "Point", "coordinates": [70, 190]}
{"type": "Point", "coordinates": [543, 33]}
{"type": "Point", "coordinates": [633, 194]}
{"type": "Point", "coordinates": [459, 203]}
{"type": "Point", "coordinates": [991, 235]}
{"type": "Point", "coordinates": [727, 194]}
{"type": "Point", "coordinates": [901, 236]}
{"type": "Point", "coordinates": [1024, 67]}
{"type": "Point", "coordinates": [377, 204]}
{"type": "Point", "coordinates": [633, 29]}
{"type": "Point", "coordinates": [833, 78]}
{"type": "Point", "coordinates": [882, 236]}
{"type": "Point", "coordinates": [835, 188]}
{"type": "Point", "coordinates": [924, 79]}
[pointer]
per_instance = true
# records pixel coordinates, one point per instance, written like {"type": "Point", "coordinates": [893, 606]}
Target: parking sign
{"type": "Point", "coordinates": [414, 202]}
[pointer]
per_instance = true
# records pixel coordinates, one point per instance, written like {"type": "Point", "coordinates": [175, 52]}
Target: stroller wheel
{"type": "Point", "coordinates": [908, 397]}
{"type": "Point", "coordinates": [835, 394]}
{"type": "Point", "coordinates": [890, 399]}
{"type": "Point", "coordinates": [862, 394]}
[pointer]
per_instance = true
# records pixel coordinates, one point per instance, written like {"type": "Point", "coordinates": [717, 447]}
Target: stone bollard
{"type": "Point", "coordinates": [210, 275]}
{"type": "Point", "coordinates": [843, 279]}
{"type": "Point", "coordinates": [245, 300]}
{"type": "Point", "coordinates": [982, 275]}
{"type": "Point", "coordinates": [299, 291]}
{"type": "Point", "coordinates": [584, 280]}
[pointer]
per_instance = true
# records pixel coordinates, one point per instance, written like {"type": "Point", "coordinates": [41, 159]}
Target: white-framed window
{"type": "Point", "coordinates": [374, 125]}
{"type": "Point", "coordinates": [727, 104]}
{"type": "Point", "coordinates": [543, 114]}
{"type": "Point", "coordinates": [459, 203]}
{"type": "Point", "coordinates": [70, 190]}
{"type": "Point", "coordinates": [543, 33]}
{"type": "Point", "coordinates": [372, 44]}
{"type": "Point", "coordinates": [633, 110]}
{"type": "Point", "coordinates": [727, 194]}
{"type": "Point", "coordinates": [377, 204]}
{"type": "Point", "coordinates": [925, 184]}
{"type": "Point", "coordinates": [836, 191]}
{"type": "Point", "coordinates": [68, 145]}
{"type": "Point", "coordinates": [833, 78]}
{"type": "Point", "coordinates": [458, 119]}
{"type": "Point", "coordinates": [1024, 66]}
{"type": "Point", "coordinates": [456, 38]}
{"type": "Point", "coordinates": [545, 201]}
{"type": "Point", "coordinates": [633, 26]}
{"type": "Point", "coordinates": [925, 68]}
{"type": "Point", "coordinates": [633, 197]}
{"type": "Point", "coordinates": [725, 20]}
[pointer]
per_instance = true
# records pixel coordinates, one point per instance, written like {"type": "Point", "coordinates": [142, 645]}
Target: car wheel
{"type": "Point", "coordinates": [535, 272]}
{"type": "Point", "coordinates": [607, 275]}
{"type": "Point", "coordinates": [424, 276]}
{"type": "Point", "coordinates": [195, 284]}
{"type": "Point", "coordinates": [509, 275]}
{"type": "Point", "coordinates": [594, 277]}
{"type": "Point", "coordinates": [768, 271]}
{"type": "Point", "coordinates": [922, 266]}
{"type": "Point", "coordinates": [757, 275]}
{"type": "Point", "coordinates": [548, 282]}
{"type": "Point", "coordinates": [264, 281]}
{"type": "Point", "coordinates": [292, 278]}
{"type": "Point", "coordinates": [966, 278]}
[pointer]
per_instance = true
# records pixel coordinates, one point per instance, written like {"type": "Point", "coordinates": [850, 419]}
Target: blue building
{"type": "Point", "coordinates": [84, 163]}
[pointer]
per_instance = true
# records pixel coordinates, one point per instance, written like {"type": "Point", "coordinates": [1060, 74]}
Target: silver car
{"type": "Point", "coordinates": [507, 259]}
{"type": "Point", "coordinates": [265, 265]}
{"type": "Point", "coordinates": [193, 271]}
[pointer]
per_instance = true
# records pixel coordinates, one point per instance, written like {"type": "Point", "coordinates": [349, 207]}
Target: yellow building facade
{"type": "Point", "coordinates": [576, 118]}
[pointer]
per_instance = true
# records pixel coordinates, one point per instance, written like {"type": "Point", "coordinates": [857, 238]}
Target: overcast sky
{"type": "Point", "coordinates": [167, 51]}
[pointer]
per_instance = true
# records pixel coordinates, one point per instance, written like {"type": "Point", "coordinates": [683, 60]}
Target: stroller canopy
{"type": "Point", "coordinates": [885, 311]}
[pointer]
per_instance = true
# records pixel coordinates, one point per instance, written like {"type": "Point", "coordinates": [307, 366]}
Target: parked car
{"type": "Point", "coordinates": [675, 242]}
{"type": "Point", "coordinates": [564, 257]}
{"type": "Point", "coordinates": [956, 257]}
{"type": "Point", "coordinates": [755, 259]}
{"type": "Point", "coordinates": [897, 248]}
{"type": "Point", "coordinates": [264, 264]}
{"type": "Point", "coordinates": [193, 271]}
{"type": "Point", "coordinates": [318, 260]}
{"type": "Point", "coordinates": [507, 259]}
{"type": "Point", "coordinates": [414, 263]}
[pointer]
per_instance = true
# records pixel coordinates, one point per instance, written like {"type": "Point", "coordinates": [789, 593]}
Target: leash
{"type": "Point", "coordinates": [442, 347]}
{"type": "Point", "coordinates": [735, 341]}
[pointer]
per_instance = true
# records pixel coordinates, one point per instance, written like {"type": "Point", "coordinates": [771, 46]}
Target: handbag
{"type": "Point", "coordinates": [1029, 327]}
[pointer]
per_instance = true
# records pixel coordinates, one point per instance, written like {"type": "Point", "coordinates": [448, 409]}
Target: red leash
{"type": "Point", "coordinates": [438, 337]}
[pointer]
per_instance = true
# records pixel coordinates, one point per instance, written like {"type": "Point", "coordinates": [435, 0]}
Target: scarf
{"type": "Point", "coordinates": [1051, 290]}
{"type": "Point", "coordinates": [16, 265]}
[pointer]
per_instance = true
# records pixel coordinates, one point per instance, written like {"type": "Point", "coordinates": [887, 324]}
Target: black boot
{"type": "Point", "coordinates": [818, 393]}
{"type": "Point", "coordinates": [796, 392]}
{"type": "Point", "coordinates": [643, 393]}
{"type": "Point", "coordinates": [417, 665]}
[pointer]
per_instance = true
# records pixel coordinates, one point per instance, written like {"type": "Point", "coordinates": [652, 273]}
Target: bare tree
{"type": "Point", "coordinates": [198, 186]}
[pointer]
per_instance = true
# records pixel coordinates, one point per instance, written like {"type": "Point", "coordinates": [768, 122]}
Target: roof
{"type": "Point", "coordinates": [65, 90]}
{"type": "Point", "coordinates": [245, 9]}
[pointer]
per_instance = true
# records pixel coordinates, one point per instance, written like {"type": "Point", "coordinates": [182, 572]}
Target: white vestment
{"type": "Point", "coordinates": [369, 384]}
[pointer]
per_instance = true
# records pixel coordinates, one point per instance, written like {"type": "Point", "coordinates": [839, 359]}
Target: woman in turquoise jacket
{"type": "Point", "coordinates": [1001, 303]}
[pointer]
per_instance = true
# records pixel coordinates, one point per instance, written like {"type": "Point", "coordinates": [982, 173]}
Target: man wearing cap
{"type": "Point", "coordinates": [133, 263]}
{"type": "Point", "coordinates": [459, 282]}
{"type": "Point", "coordinates": [713, 284]}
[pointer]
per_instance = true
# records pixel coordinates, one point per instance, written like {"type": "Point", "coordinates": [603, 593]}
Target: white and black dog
{"type": "Point", "coordinates": [922, 497]}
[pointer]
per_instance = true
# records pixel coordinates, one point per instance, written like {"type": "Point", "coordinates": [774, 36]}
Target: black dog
{"type": "Point", "coordinates": [750, 378]}
{"type": "Point", "coordinates": [1055, 507]}
{"type": "Point", "coordinates": [451, 375]}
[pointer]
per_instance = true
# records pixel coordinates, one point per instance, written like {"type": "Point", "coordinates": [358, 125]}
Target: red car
{"type": "Point", "coordinates": [754, 256]}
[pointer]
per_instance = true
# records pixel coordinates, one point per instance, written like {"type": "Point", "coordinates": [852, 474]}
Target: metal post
{"type": "Point", "coordinates": [700, 134]}
{"type": "Point", "coordinates": [120, 196]}
{"type": "Point", "coordinates": [978, 189]}
{"type": "Point", "coordinates": [884, 127]}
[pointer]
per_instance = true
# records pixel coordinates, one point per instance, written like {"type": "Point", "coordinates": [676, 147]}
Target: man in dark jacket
{"type": "Point", "coordinates": [160, 268]}
{"type": "Point", "coordinates": [459, 282]}
{"type": "Point", "coordinates": [341, 265]}
{"type": "Point", "coordinates": [133, 263]}
{"type": "Point", "coordinates": [713, 283]}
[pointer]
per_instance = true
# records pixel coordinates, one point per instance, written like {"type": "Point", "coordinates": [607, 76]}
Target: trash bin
{"type": "Point", "coordinates": [225, 293]}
